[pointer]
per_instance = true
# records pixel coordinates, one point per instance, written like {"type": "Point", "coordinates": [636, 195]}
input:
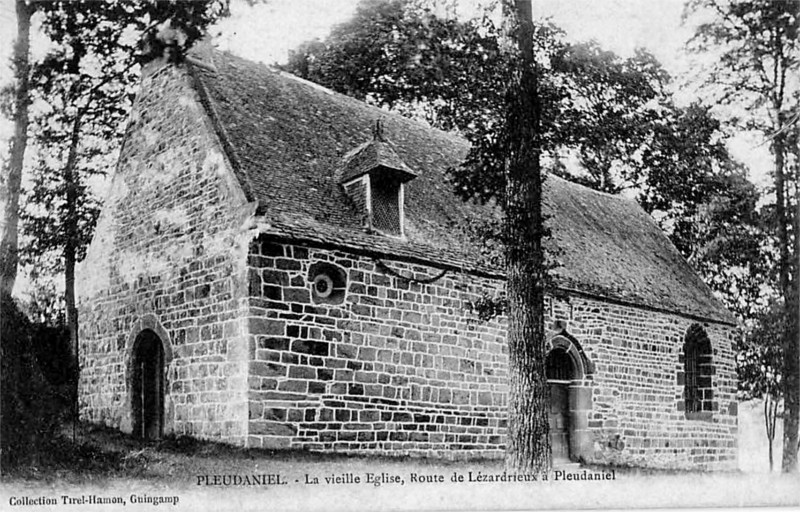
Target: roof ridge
{"type": "Point", "coordinates": [593, 190]}
{"type": "Point", "coordinates": [302, 80]}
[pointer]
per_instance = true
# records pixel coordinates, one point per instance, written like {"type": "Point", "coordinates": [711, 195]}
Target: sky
{"type": "Point", "coordinates": [266, 32]}
{"type": "Point", "coordinates": [7, 32]}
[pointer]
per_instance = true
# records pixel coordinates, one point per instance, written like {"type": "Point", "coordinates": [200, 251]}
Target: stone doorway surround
{"type": "Point", "coordinates": [148, 354]}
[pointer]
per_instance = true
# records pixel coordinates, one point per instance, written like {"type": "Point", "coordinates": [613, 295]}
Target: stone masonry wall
{"type": "Point", "coordinates": [169, 254]}
{"type": "Point", "coordinates": [397, 368]}
{"type": "Point", "coordinates": [406, 368]}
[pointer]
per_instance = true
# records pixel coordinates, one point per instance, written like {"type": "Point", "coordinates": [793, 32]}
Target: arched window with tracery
{"type": "Point", "coordinates": [698, 368]}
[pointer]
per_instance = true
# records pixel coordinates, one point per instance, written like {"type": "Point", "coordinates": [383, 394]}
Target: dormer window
{"type": "Point", "coordinates": [387, 206]}
{"type": "Point", "coordinates": [374, 178]}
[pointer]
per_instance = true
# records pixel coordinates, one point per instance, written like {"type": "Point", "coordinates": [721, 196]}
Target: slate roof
{"type": "Point", "coordinates": [288, 139]}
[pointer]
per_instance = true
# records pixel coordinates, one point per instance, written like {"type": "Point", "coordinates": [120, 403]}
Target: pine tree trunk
{"type": "Point", "coordinates": [791, 387]}
{"type": "Point", "coordinates": [69, 298]}
{"type": "Point", "coordinates": [796, 315]}
{"type": "Point", "coordinates": [10, 187]}
{"type": "Point", "coordinates": [528, 449]}
{"type": "Point", "coordinates": [70, 245]}
{"type": "Point", "coordinates": [789, 343]}
{"type": "Point", "coordinates": [10, 181]}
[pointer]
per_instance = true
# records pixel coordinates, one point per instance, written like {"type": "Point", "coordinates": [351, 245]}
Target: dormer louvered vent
{"type": "Point", "coordinates": [374, 178]}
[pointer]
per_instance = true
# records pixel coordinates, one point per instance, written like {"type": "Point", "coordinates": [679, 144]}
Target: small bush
{"type": "Point", "coordinates": [32, 409]}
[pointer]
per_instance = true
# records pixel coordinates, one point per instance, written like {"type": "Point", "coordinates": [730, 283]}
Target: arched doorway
{"type": "Point", "coordinates": [560, 373]}
{"type": "Point", "coordinates": [147, 397]}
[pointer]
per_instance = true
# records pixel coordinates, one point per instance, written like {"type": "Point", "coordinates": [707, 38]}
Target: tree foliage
{"type": "Point", "coordinates": [398, 55]}
{"type": "Point", "coordinates": [760, 356]}
{"type": "Point", "coordinates": [758, 71]}
{"type": "Point", "coordinates": [83, 89]}
{"type": "Point", "coordinates": [726, 237]}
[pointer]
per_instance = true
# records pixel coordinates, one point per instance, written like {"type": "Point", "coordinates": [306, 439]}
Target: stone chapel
{"type": "Point", "coordinates": [268, 272]}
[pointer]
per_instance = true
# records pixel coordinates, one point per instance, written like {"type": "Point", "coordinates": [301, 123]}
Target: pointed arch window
{"type": "Point", "coordinates": [698, 369]}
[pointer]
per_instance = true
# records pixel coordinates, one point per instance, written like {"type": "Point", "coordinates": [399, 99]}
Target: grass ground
{"type": "Point", "coordinates": [108, 464]}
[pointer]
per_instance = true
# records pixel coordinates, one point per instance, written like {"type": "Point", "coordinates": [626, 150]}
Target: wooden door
{"type": "Point", "coordinates": [559, 421]}
{"type": "Point", "coordinates": [148, 387]}
{"type": "Point", "coordinates": [560, 372]}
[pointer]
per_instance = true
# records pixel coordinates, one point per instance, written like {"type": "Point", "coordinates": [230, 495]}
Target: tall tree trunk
{"type": "Point", "coordinates": [791, 350]}
{"type": "Point", "coordinates": [793, 343]}
{"type": "Point", "coordinates": [528, 448]}
{"type": "Point", "coordinates": [70, 232]}
{"type": "Point", "coordinates": [791, 383]}
{"type": "Point", "coordinates": [9, 189]}
{"type": "Point", "coordinates": [70, 251]}
{"type": "Point", "coordinates": [72, 324]}
{"type": "Point", "coordinates": [10, 181]}
{"type": "Point", "coordinates": [779, 161]}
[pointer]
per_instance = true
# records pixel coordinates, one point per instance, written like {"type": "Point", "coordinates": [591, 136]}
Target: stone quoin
{"type": "Point", "coordinates": [280, 266]}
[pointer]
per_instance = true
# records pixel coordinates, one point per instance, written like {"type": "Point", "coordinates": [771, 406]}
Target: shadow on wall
{"type": "Point", "coordinates": [753, 444]}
